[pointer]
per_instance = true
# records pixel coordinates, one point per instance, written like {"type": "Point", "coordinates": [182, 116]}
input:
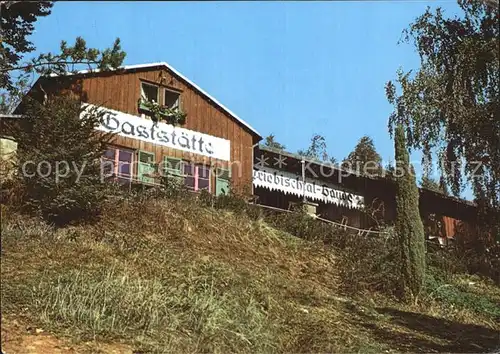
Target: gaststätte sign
{"type": "Point", "coordinates": [164, 134]}
{"type": "Point", "coordinates": [289, 183]}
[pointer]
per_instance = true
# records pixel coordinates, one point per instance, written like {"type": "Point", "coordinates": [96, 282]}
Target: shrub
{"type": "Point", "coordinates": [468, 254]}
{"type": "Point", "coordinates": [59, 154]}
{"type": "Point", "coordinates": [451, 295]}
{"type": "Point", "coordinates": [448, 260]}
{"type": "Point", "coordinates": [369, 265]}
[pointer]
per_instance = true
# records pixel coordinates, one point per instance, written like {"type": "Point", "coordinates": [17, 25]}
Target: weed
{"type": "Point", "coordinates": [175, 274]}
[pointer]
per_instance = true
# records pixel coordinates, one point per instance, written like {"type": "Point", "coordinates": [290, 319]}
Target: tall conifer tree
{"type": "Point", "coordinates": [409, 226]}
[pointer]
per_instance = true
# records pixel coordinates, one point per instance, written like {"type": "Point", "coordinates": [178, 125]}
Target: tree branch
{"type": "Point", "coordinates": [27, 66]}
{"type": "Point", "coordinates": [492, 3]}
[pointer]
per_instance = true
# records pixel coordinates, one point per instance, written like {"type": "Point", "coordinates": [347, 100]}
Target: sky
{"type": "Point", "coordinates": [292, 69]}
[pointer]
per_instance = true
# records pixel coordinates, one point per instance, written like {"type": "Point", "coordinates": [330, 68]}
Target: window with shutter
{"type": "Point", "coordinates": [173, 169]}
{"type": "Point", "coordinates": [203, 177]}
{"type": "Point", "coordinates": [190, 173]}
{"type": "Point", "coordinates": [222, 181]}
{"type": "Point", "coordinates": [149, 93]}
{"type": "Point", "coordinates": [197, 177]}
{"type": "Point", "coordinates": [146, 167]}
{"type": "Point", "coordinates": [172, 99]}
{"type": "Point", "coordinates": [117, 163]}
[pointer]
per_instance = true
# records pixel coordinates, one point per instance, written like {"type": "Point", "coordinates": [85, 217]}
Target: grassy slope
{"type": "Point", "coordinates": [175, 277]}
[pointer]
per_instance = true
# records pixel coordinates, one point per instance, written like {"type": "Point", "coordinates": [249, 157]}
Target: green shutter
{"type": "Point", "coordinates": [146, 166]}
{"type": "Point", "coordinates": [173, 168]}
{"type": "Point", "coordinates": [222, 182]}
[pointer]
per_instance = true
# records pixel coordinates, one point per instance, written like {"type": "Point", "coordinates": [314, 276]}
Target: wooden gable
{"type": "Point", "coordinates": [120, 90]}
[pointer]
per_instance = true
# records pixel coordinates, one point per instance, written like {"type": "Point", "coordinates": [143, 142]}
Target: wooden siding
{"type": "Point", "coordinates": [380, 199]}
{"type": "Point", "coordinates": [349, 184]}
{"type": "Point", "coordinates": [450, 226]}
{"type": "Point", "coordinates": [121, 91]}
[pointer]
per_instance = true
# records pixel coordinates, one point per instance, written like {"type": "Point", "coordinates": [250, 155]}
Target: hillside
{"type": "Point", "coordinates": [172, 275]}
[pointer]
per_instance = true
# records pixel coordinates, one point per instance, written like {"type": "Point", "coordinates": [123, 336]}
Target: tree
{"type": "Point", "coordinates": [17, 24]}
{"type": "Point", "coordinates": [492, 3]}
{"type": "Point", "coordinates": [389, 169]}
{"type": "Point", "coordinates": [18, 18]}
{"type": "Point", "coordinates": [451, 105]}
{"type": "Point", "coordinates": [431, 184]}
{"type": "Point", "coordinates": [272, 143]}
{"type": "Point", "coordinates": [59, 153]}
{"type": "Point", "coordinates": [409, 227]}
{"type": "Point", "coordinates": [69, 60]}
{"type": "Point", "coordinates": [10, 99]}
{"type": "Point", "coordinates": [428, 182]}
{"type": "Point", "coordinates": [317, 150]}
{"type": "Point", "coordinates": [54, 132]}
{"type": "Point", "coordinates": [364, 158]}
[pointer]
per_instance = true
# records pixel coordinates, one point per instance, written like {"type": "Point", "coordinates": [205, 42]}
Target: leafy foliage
{"type": "Point", "coordinates": [59, 160]}
{"type": "Point", "coordinates": [272, 143]}
{"type": "Point", "coordinates": [458, 296]}
{"type": "Point", "coordinates": [69, 60]}
{"type": "Point", "coordinates": [409, 227]}
{"type": "Point", "coordinates": [10, 99]}
{"type": "Point", "coordinates": [451, 105]}
{"type": "Point", "coordinates": [364, 158]}
{"type": "Point", "coordinates": [17, 24]}
{"type": "Point", "coordinates": [162, 113]}
{"type": "Point", "coordinates": [431, 184]}
{"type": "Point", "coordinates": [59, 149]}
{"type": "Point", "coordinates": [317, 150]}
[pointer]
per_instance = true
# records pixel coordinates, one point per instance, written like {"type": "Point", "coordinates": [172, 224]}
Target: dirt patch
{"type": "Point", "coordinates": [19, 338]}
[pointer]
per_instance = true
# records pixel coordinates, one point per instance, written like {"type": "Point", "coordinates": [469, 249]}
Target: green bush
{"type": "Point", "coordinates": [369, 263]}
{"type": "Point", "coordinates": [449, 294]}
{"type": "Point", "coordinates": [473, 257]}
{"type": "Point", "coordinates": [59, 153]}
{"type": "Point", "coordinates": [447, 260]}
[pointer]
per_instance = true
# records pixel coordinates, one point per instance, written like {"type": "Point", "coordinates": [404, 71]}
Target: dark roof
{"type": "Point", "coordinates": [317, 162]}
{"type": "Point", "coordinates": [383, 177]}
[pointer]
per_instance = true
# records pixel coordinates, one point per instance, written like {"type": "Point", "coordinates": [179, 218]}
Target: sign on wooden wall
{"type": "Point", "coordinates": [164, 134]}
{"type": "Point", "coordinates": [289, 183]}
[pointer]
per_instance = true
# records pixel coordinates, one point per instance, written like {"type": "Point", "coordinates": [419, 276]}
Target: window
{"type": "Point", "coordinates": [172, 99]}
{"type": "Point", "coordinates": [149, 92]}
{"type": "Point", "coordinates": [222, 181]}
{"type": "Point", "coordinates": [173, 168]}
{"type": "Point", "coordinates": [197, 177]}
{"type": "Point", "coordinates": [118, 162]}
{"type": "Point", "coordinates": [190, 173]}
{"type": "Point", "coordinates": [146, 167]}
{"type": "Point", "coordinates": [203, 177]}
{"type": "Point", "coordinates": [152, 93]}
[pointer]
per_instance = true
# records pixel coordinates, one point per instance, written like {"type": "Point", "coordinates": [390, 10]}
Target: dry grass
{"type": "Point", "coordinates": [173, 276]}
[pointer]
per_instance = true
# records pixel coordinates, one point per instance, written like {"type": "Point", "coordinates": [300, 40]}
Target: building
{"type": "Point", "coordinates": [347, 197]}
{"type": "Point", "coordinates": [211, 148]}
{"type": "Point", "coordinates": [279, 182]}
